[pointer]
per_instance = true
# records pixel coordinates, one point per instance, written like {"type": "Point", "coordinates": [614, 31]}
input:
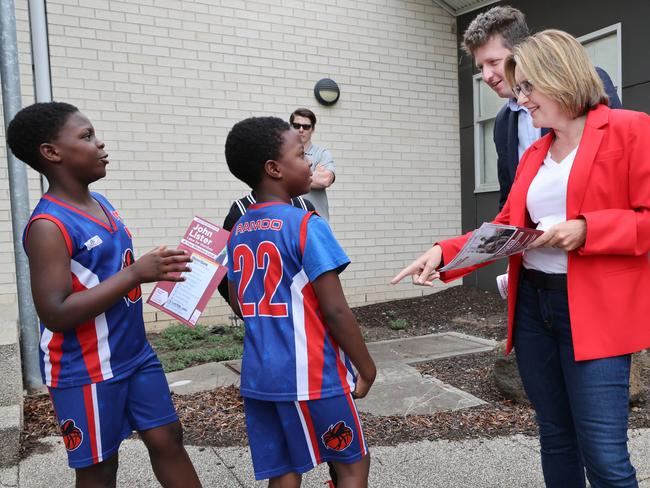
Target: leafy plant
{"type": "Point", "coordinates": [179, 347]}
{"type": "Point", "coordinates": [398, 324]}
{"type": "Point", "coordinates": [184, 359]}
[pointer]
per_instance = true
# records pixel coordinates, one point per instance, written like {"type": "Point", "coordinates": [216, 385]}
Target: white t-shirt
{"type": "Point", "coordinates": [546, 204]}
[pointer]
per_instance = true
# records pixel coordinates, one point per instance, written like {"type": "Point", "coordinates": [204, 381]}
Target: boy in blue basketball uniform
{"type": "Point", "coordinates": [301, 337]}
{"type": "Point", "coordinates": [103, 376]}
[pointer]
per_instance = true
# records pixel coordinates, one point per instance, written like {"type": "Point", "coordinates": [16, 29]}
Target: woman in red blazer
{"type": "Point", "coordinates": [575, 313]}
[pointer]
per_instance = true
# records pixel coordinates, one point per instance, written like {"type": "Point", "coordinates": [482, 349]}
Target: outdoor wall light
{"type": "Point", "coordinates": [326, 91]}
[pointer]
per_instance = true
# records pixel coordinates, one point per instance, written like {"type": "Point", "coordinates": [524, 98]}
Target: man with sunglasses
{"type": "Point", "coordinates": [322, 164]}
{"type": "Point", "coordinates": [490, 38]}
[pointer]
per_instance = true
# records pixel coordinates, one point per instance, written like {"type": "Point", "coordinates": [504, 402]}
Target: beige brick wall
{"type": "Point", "coordinates": [164, 80]}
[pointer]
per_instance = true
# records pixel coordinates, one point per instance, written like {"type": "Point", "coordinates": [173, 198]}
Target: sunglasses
{"type": "Point", "coordinates": [304, 126]}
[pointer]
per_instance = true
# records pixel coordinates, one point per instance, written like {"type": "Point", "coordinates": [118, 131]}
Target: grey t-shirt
{"type": "Point", "coordinates": [318, 155]}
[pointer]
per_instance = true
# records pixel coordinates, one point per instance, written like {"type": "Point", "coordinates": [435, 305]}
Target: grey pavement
{"type": "Point", "coordinates": [419, 349]}
{"type": "Point", "coordinates": [202, 378]}
{"type": "Point", "coordinates": [399, 390]}
{"type": "Point", "coordinates": [11, 387]}
{"type": "Point", "coordinates": [505, 462]}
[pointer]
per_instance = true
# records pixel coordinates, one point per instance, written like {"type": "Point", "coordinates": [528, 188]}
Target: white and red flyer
{"type": "Point", "coordinates": [490, 242]}
{"type": "Point", "coordinates": [186, 300]}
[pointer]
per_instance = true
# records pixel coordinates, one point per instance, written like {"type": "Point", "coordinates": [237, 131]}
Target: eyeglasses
{"type": "Point", "coordinates": [525, 88]}
{"type": "Point", "coordinates": [304, 126]}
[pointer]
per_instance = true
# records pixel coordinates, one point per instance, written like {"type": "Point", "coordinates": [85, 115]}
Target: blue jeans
{"type": "Point", "coordinates": [581, 406]}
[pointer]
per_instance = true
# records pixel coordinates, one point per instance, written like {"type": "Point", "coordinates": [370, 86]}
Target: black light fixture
{"type": "Point", "coordinates": [327, 91]}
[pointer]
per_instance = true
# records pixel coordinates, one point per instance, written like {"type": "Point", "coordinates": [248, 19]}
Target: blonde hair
{"type": "Point", "coordinates": [557, 65]}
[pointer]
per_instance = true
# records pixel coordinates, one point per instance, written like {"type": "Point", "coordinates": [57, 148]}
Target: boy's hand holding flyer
{"type": "Point", "coordinates": [186, 300]}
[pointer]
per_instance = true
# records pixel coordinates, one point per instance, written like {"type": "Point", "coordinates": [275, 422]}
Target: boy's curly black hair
{"type": "Point", "coordinates": [34, 125]}
{"type": "Point", "coordinates": [251, 143]}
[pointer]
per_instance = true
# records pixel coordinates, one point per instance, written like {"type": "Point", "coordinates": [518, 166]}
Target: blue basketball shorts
{"type": "Point", "coordinates": [297, 436]}
{"type": "Point", "coordinates": [96, 418]}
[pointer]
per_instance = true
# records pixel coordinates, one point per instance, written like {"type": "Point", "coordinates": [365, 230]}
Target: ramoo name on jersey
{"type": "Point", "coordinates": [259, 224]}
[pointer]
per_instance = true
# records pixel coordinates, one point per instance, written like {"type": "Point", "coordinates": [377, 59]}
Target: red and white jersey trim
{"type": "Point", "coordinates": [99, 340]}
{"type": "Point", "coordinates": [92, 336]}
{"type": "Point", "coordinates": [93, 421]}
{"type": "Point", "coordinates": [349, 378]}
{"type": "Point", "coordinates": [300, 335]}
{"type": "Point", "coordinates": [309, 340]}
{"type": "Point", "coordinates": [48, 348]}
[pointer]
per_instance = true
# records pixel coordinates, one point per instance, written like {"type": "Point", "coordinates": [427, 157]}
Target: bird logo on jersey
{"type": "Point", "coordinates": [338, 437]}
{"type": "Point", "coordinates": [72, 435]}
{"type": "Point", "coordinates": [135, 294]}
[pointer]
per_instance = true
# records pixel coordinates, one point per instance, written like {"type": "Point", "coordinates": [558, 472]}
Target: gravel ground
{"type": "Point", "coordinates": [216, 418]}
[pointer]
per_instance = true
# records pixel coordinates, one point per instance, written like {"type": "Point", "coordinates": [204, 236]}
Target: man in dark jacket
{"type": "Point", "coordinates": [490, 38]}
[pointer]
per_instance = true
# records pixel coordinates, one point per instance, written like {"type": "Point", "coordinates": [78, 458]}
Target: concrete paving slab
{"type": "Point", "coordinates": [47, 468]}
{"type": "Point", "coordinates": [51, 469]}
{"type": "Point", "coordinates": [428, 347]}
{"type": "Point", "coordinates": [505, 462]}
{"type": "Point", "coordinates": [415, 397]}
{"type": "Point", "coordinates": [391, 373]}
{"type": "Point", "coordinates": [234, 365]}
{"type": "Point", "coordinates": [441, 464]}
{"type": "Point", "coordinates": [202, 378]}
{"type": "Point", "coordinates": [238, 460]}
{"type": "Point", "coordinates": [11, 380]}
{"type": "Point", "coordinates": [135, 469]}
{"type": "Point", "coordinates": [10, 428]}
{"type": "Point", "coordinates": [399, 388]}
{"type": "Point", "coordinates": [640, 453]}
{"type": "Point", "coordinates": [8, 330]}
{"type": "Point", "coordinates": [9, 477]}
{"type": "Point", "coordinates": [494, 463]}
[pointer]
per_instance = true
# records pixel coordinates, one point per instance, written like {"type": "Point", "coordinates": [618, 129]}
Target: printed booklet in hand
{"type": "Point", "coordinates": [186, 300]}
{"type": "Point", "coordinates": [490, 242]}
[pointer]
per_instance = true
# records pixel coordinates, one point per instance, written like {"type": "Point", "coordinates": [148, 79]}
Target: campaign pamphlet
{"type": "Point", "coordinates": [186, 300]}
{"type": "Point", "coordinates": [502, 285]}
{"type": "Point", "coordinates": [490, 242]}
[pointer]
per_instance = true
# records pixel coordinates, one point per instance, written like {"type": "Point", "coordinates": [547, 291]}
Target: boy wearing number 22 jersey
{"type": "Point", "coordinates": [300, 360]}
{"type": "Point", "coordinates": [301, 339]}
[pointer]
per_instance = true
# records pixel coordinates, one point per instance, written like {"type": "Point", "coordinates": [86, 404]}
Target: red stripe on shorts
{"type": "Point", "coordinates": [357, 423]}
{"type": "Point", "coordinates": [90, 419]}
{"type": "Point", "coordinates": [312, 432]}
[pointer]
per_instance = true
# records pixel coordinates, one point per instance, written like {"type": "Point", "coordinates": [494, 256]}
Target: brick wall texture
{"type": "Point", "coordinates": [164, 80]}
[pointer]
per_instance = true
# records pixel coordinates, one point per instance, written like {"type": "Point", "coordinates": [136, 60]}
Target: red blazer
{"type": "Point", "coordinates": [609, 276]}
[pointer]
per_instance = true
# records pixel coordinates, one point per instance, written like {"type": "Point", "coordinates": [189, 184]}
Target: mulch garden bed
{"type": "Point", "coordinates": [460, 309]}
{"type": "Point", "coordinates": [216, 418]}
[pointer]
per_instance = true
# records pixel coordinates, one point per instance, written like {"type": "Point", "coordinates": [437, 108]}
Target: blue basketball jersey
{"type": "Point", "coordinates": [114, 342]}
{"type": "Point", "coordinates": [275, 252]}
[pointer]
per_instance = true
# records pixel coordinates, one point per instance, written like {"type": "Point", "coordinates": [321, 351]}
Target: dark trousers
{"type": "Point", "coordinates": [581, 406]}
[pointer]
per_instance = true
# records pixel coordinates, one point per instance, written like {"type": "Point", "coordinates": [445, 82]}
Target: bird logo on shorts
{"type": "Point", "coordinates": [338, 437]}
{"type": "Point", "coordinates": [72, 435]}
{"type": "Point", "coordinates": [135, 294]}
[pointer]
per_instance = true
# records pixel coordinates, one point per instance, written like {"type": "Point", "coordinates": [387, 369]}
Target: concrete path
{"type": "Point", "coordinates": [507, 462]}
{"type": "Point", "coordinates": [399, 388]}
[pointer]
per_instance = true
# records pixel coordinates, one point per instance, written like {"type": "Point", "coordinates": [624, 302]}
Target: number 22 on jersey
{"type": "Point", "coordinates": [266, 259]}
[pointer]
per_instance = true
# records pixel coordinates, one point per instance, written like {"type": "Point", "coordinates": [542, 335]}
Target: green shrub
{"type": "Point", "coordinates": [398, 324]}
{"type": "Point", "coordinates": [179, 346]}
